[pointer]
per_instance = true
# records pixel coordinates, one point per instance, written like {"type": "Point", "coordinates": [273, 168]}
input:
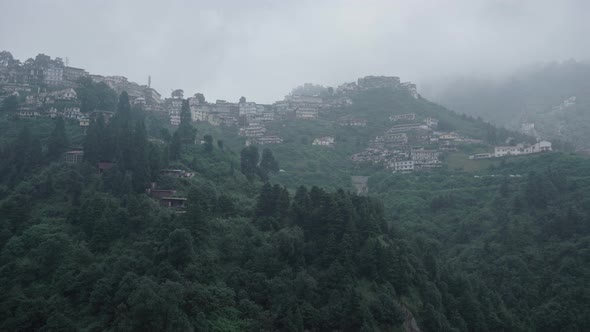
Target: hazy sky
{"type": "Point", "coordinates": [262, 49]}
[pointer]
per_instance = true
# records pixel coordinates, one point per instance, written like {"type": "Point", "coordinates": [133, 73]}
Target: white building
{"type": "Point", "coordinates": [306, 113]}
{"type": "Point", "coordinates": [200, 112]}
{"type": "Point", "coordinates": [174, 117]}
{"type": "Point", "coordinates": [431, 122]}
{"type": "Point", "coordinates": [247, 109]}
{"type": "Point", "coordinates": [501, 151]}
{"type": "Point", "coordinates": [324, 141]}
{"type": "Point", "coordinates": [407, 117]}
{"type": "Point", "coordinates": [253, 130]}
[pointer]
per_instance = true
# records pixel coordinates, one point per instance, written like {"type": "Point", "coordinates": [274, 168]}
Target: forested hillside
{"type": "Point", "coordinates": [86, 247]}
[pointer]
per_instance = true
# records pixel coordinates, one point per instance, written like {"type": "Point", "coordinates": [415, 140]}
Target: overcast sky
{"type": "Point", "coordinates": [262, 49]}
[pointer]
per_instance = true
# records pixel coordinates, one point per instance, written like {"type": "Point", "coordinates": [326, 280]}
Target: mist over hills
{"type": "Point", "coordinates": [554, 97]}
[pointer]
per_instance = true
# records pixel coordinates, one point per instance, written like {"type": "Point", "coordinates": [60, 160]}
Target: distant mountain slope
{"type": "Point", "coordinates": [543, 95]}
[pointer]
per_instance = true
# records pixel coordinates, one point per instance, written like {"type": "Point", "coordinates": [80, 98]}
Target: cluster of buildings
{"type": "Point", "coordinates": [378, 82]}
{"type": "Point", "coordinates": [47, 87]}
{"type": "Point", "coordinates": [324, 141]}
{"type": "Point", "coordinates": [411, 144]}
{"type": "Point", "coordinates": [516, 150]}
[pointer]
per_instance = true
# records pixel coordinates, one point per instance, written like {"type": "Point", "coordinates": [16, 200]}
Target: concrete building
{"type": "Point", "coordinates": [306, 113]}
{"type": "Point", "coordinates": [253, 129]}
{"type": "Point", "coordinates": [74, 157]}
{"type": "Point", "coordinates": [402, 166]}
{"type": "Point", "coordinates": [53, 75]}
{"type": "Point", "coordinates": [72, 74]}
{"type": "Point", "coordinates": [324, 141]}
{"type": "Point", "coordinates": [267, 140]}
{"type": "Point", "coordinates": [425, 156]}
{"type": "Point", "coordinates": [378, 82]}
{"type": "Point", "coordinates": [403, 117]}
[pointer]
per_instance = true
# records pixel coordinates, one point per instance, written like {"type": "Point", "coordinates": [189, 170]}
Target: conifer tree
{"type": "Point", "coordinates": [268, 164]}
{"type": "Point", "coordinates": [249, 161]}
{"type": "Point", "coordinates": [208, 143]}
{"type": "Point", "coordinates": [58, 141]}
{"type": "Point", "coordinates": [141, 166]}
{"type": "Point", "coordinates": [175, 146]}
{"type": "Point", "coordinates": [124, 108]}
{"type": "Point", "coordinates": [186, 130]}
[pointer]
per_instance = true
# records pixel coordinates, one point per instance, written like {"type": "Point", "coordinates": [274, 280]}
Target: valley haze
{"type": "Point", "coordinates": [261, 49]}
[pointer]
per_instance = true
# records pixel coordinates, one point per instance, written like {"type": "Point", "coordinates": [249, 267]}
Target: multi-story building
{"type": "Point", "coordinates": [425, 156]}
{"type": "Point", "coordinates": [247, 109]}
{"type": "Point", "coordinates": [253, 130]}
{"type": "Point", "coordinates": [404, 117]}
{"type": "Point", "coordinates": [72, 74]}
{"type": "Point", "coordinates": [306, 113]}
{"type": "Point", "coordinates": [378, 82]}
{"type": "Point", "coordinates": [431, 122]}
{"type": "Point", "coordinates": [267, 140]}
{"type": "Point", "coordinates": [200, 112]}
{"type": "Point", "coordinates": [402, 166]}
{"type": "Point", "coordinates": [53, 75]}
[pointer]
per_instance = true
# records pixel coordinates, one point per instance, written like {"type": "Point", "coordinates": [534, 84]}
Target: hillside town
{"type": "Point", "coordinates": [48, 87]}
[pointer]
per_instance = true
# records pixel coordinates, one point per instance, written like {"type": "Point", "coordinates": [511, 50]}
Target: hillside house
{"type": "Point", "coordinates": [84, 121]}
{"type": "Point", "coordinates": [74, 157]}
{"type": "Point", "coordinates": [267, 140]}
{"type": "Point", "coordinates": [431, 122]}
{"type": "Point", "coordinates": [72, 113]}
{"type": "Point", "coordinates": [72, 74]}
{"type": "Point", "coordinates": [425, 156]}
{"type": "Point", "coordinates": [403, 117]}
{"type": "Point", "coordinates": [253, 130]}
{"type": "Point", "coordinates": [501, 151]}
{"type": "Point", "coordinates": [28, 113]}
{"type": "Point", "coordinates": [352, 122]}
{"type": "Point", "coordinates": [104, 166]}
{"type": "Point", "coordinates": [174, 117]}
{"type": "Point", "coordinates": [177, 173]}
{"type": "Point", "coordinates": [481, 156]}
{"type": "Point", "coordinates": [306, 113]}
{"type": "Point", "coordinates": [378, 82]}
{"type": "Point", "coordinates": [53, 75]}
{"type": "Point", "coordinates": [173, 202]}
{"type": "Point", "coordinates": [402, 166]}
{"type": "Point", "coordinates": [247, 109]}
{"type": "Point", "coordinates": [200, 112]}
{"type": "Point", "coordinates": [324, 141]}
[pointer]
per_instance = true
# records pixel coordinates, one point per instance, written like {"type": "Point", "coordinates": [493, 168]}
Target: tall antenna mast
{"type": "Point", "coordinates": [67, 62]}
{"type": "Point", "coordinates": [149, 81]}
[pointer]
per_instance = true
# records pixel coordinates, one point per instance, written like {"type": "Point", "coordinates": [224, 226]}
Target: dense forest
{"type": "Point", "coordinates": [86, 248]}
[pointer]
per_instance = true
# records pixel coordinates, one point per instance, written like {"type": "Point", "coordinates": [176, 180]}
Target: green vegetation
{"type": "Point", "coordinates": [476, 246]}
{"type": "Point", "coordinates": [534, 94]}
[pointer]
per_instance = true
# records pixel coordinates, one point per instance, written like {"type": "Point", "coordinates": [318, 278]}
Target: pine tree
{"type": "Point", "coordinates": [208, 143]}
{"type": "Point", "coordinates": [58, 141]}
{"type": "Point", "coordinates": [186, 131]}
{"type": "Point", "coordinates": [249, 161]}
{"type": "Point", "coordinates": [268, 163]}
{"type": "Point", "coordinates": [123, 108]}
{"type": "Point", "coordinates": [175, 146]}
{"type": "Point", "coordinates": [141, 166]}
